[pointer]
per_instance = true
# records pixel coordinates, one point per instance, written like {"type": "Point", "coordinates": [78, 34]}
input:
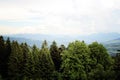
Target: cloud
{"type": "Point", "coordinates": [68, 17]}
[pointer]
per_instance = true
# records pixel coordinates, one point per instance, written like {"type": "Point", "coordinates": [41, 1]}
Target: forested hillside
{"type": "Point", "coordinates": [112, 46]}
{"type": "Point", "coordinates": [77, 61]}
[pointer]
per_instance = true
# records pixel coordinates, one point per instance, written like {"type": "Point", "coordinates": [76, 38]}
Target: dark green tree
{"type": "Point", "coordinates": [2, 56]}
{"type": "Point", "coordinates": [47, 68]}
{"type": "Point", "coordinates": [1, 77]}
{"type": "Point", "coordinates": [54, 51]}
{"type": "Point", "coordinates": [6, 57]}
{"type": "Point", "coordinates": [61, 48]}
{"type": "Point", "coordinates": [15, 68]}
{"type": "Point", "coordinates": [117, 65]}
{"type": "Point", "coordinates": [7, 49]}
{"type": "Point", "coordinates": [25, 53]}
{"type": "Point", "coordinates": [33, 69]}
{"type": "Point", "coordinates": [39, 64]}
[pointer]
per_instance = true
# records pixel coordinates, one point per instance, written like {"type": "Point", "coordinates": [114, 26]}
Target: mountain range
{"type": "Point", "coordinates": [113, 46]}
{"type": "Point", "coordinates": [110, 40]}
{"type": "Point", "coordinates": [100, 37]}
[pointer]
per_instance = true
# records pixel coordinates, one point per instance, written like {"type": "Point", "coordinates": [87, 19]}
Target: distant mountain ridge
{"type": "Point", "coordinates": [110, 40]}
{"type": "Point", "coordinates": [112, 46]}
{"type": "Point", "coordinates": [100, 37]}
{"type": "Point", "coordinates": [24, 40]}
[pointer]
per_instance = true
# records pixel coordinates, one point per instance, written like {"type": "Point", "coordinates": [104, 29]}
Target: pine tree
{"type": "Point", "coordinates": [2, 56]}
{"type": "Point", "coordinates": [61, 48]}
{"type": "Point", "coordinates": [47, 67]}
{"type": "Point", "coordinates": [15, 67]}
{"type": "Point", "coordinates": [7, 55]}
{"type": "Point", "coordinates": [32, 69]}
{"type": "Point", "coordinates": [55, 54]}
{"type": "Point", "coordinates": [25, 53]}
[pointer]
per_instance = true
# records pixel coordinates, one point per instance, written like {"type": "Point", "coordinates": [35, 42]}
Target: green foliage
{"type": "Point", "coordinates": [16, 61]}
{"type": "Point", "coordinates": [0, 77]}
{"type": "Point", "coordinates": [25, 53]}
{"type": "Point", "coordinates": [117, 65]}
{"type": "Point", "coordinates": [78, 61]}
{"type": "Point", "coordinates": [6, 58]}
{"type": "Point", "coordinates": [32, 68]}
{"type": "Point", "coordinates": [47, 67]}
{"type": "Point", "coordinates": [2, 55]}
{"type": "Point", "coordinates": [102, 63]}
{"type": "Point", "coordinates": [54, 51]}
{"type": "Point", "coordinates": [5, 51]}
{"type": "Point", "coordinates": [39, 64]}
{"type": "Point", "coordinates": [75, 61]}
{"type": "Point", "coordinates": [61, 48]}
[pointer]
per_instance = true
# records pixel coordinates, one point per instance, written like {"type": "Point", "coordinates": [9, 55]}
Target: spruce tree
{"type": "Point", "coordinates": [25, 53]}
{"type": "Point", "coordinates": [2, 56]}
{"type": "Point", "coordinates": [15, 67]}
{"type": "Point", "coordinates": [54, 51]}
{"type": "Point", "coordinates": [61, 48]}
{"type": "Point", "coordinates": [7, 55]}
{"type": "Point", "coordinates": [47, 67]}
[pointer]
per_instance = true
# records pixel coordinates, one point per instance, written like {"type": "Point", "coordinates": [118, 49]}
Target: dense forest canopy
{"type": "Point", "coordinates": [77, 61]}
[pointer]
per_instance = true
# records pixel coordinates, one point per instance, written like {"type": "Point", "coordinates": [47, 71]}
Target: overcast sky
{"type": "Point", "coordinates": [65, 17]}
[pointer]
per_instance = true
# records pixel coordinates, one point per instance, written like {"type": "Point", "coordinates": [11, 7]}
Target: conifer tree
{"type": "Point", "coordinates": [15, 67]}
{"type": "Point", "coordinates": [61, 48]}
{"type": "Point", "coordinates": [47, 67]}
{"type": "Point", "coordinates": [7, 55]}
{"type": "Point", "coordinates": [31, 69]}
{"type": "Point", "coordinates": [55, 54]}
{"type": "Point", "coordinates": [25, 53]}
{"type": "Point", "coordinates": [2, 56]}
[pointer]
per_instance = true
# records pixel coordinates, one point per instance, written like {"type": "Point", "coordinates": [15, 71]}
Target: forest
{"type": "Point", "coordinates": [77, 61]}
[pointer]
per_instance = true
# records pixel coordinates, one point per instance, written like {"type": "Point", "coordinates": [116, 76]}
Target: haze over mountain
{"type": "Point", "coordinates": [64, 39]}
{"type": "Point", "coordinates": [60, 20]}
{"type": "Point", "coordinates": [110, 40]}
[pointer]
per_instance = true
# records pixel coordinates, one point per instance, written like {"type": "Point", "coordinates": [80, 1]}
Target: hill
{"type": "Point", "coordinates": [100, 37]}
{"type": "Point", "coordinates": [23, 40]}
{"type": "Point", "coordinates": [112, 46]}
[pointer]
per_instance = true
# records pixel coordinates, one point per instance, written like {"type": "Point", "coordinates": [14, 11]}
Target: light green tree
{"type": "Point", "coordinates": [75, 61]}
{"type": "Point", "coordinates": [102, 63]}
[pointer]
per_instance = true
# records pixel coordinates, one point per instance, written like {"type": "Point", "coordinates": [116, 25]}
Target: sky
{"type": "Point", "coordinates": [64, 17]}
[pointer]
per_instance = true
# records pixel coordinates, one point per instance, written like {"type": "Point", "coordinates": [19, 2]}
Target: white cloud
{"type": "Point", "coordinates": [69, 17]}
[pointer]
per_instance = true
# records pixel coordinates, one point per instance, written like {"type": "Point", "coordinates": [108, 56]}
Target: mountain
{"type": "Point", "coordinates": [100, 37]}
{"type": "Point", "coordinates": [23, 40]}
{"type": "Point", "coordinates": [60, 39]}
{"type": "Point", "coordinates": [112, 46]}
{"type": "Point", "coordinates": [108, 39]}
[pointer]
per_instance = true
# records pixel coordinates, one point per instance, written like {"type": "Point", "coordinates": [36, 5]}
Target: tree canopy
{"type": "Point", "coordinates": [77, 61]}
